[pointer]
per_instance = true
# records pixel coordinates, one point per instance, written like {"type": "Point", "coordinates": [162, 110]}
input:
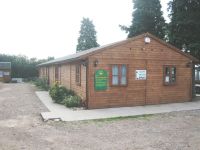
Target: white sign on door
{"type": "Point", "coordinates": [141, 74]}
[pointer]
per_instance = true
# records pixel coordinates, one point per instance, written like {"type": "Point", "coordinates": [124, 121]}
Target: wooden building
{"type": "Point", "coordinates": [5, 71]}
{"type": "Point", "coordinates": [141, 70]}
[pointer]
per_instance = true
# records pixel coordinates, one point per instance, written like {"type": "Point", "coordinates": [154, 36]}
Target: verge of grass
{"type": "Point", "coordinates": [112, 119]}
{"type": "Point", "coordinates": [104, 120]}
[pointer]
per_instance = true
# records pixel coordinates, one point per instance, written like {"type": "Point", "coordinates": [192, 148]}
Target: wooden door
{"type": "Point", "coordinates": [136, 91]}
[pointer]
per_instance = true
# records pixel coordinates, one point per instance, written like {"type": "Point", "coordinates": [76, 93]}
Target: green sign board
{"type": "Point", "coordinates": [101, 80]}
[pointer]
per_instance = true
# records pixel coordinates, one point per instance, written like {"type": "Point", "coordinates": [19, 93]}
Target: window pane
{"type": "Point", "coordinates": [196, 75]}
{"type": "Point", "coordinates": [78, 76]}
{"type": "Point", "coordinates": [173, 80]}
{"type": "Point", "coordinates": [173, 72]}
{"type": "Point", "coordinates": [115, 70]}
{"type": "Point", "coordinates": [123, 75]}
{"type": "Point", "coordinates": [123, 80]}
{"type": "Point", "coordinates": [115, 80]}
{"type": "Point", "coordinates": [77, 69]}
{"type": "Point", "coordinates": [167, 75]}
{"type": "Point", "coordinates": [167, 79]}
{"type": "Point", "coordinates": [199, 76]}
{"type": "Point", "coordinates": [167, 71]}
{"type": "Point", "coordinates": [56, 72]}
{"type": "Point", "coordinates": [123, 70]}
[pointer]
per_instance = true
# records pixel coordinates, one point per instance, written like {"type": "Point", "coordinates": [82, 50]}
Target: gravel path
{"type": "Point", "coordinates": [21, 128]}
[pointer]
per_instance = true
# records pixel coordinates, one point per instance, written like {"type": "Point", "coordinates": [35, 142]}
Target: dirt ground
{"type": "Point", "coordinates": [21, 128]}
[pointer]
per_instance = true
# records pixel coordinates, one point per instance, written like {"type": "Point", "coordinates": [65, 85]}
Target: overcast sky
{"type": "Point", "coordinates": [42, 28]}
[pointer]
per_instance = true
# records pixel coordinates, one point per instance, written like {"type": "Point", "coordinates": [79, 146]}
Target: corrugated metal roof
{"type": "Point", "coordinates": [5, 65]}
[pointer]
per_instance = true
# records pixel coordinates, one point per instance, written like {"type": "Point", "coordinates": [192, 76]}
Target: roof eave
{"type": "Point", "coordinates": [63, 62]}
{"type": "Point", "coordinates": [174, 48]}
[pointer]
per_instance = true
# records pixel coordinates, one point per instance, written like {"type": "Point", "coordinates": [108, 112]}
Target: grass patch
{"type": "Point", "coordinates": [100, 122]}
{"type": "Point", "coordinates": [112, 119]}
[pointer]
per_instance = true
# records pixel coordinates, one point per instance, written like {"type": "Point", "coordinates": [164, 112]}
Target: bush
{"type": "Point", "coordinates": [30, 79]}
{"type": "Point", "coordinates": [58, 93]}
{"type": "Point", "coordinates": [70, 92]}
{"type": "Point", "coordinates": [64, 96]}
{"type": "Point", "coordinates": [42, 83]}
{"type": "Point", "coordinates": [72, 101]}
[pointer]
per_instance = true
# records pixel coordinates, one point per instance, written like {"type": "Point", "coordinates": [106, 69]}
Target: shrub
{"type": "Point", "coordinates": [30, 79]}
{"type": "Point", "coordinates": [42, 83]}
{"type": "Point", "coordinates": [70, 92]}
{"type": "Point", "coordinates": [64, 96]}
{"type": "Point", "coordinates": [58, 93]}
{"type": "Point", "coordinates": [72, 101]}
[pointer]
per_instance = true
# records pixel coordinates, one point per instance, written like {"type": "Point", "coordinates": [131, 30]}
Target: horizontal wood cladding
{"type": "Point", "coordinates": [66, 77]}
{"type": "Point", "coordinates": [51, 75]}
{"type": "Point", "coordinates": [140, 56]}
{"type": "Point", "coordinates": [137, 56]}
{"type": "Point", "coordinates": [79, 89]}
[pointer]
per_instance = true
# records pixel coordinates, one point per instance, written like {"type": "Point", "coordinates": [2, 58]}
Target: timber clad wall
{"type": "Point", "coordinates": [66, 77]}
{"type": "Point", "coordinates": [137, 56]}
{"type": "Point", "coordinates": [140, 56]}
{"type": "Point", "coordinates": [81, 90]}
{"type": "Point", "coordinates": [51, 75]}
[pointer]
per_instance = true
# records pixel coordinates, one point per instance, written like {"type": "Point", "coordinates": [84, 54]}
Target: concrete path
{"type": "Point", "coordinates": [60, 112]}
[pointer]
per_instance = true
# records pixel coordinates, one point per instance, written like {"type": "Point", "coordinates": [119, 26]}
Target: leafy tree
{"type": "Point", "coordinates": [147, 17]}
{"type": "Point", "coordinates": [184, 28]}
{"type": "Point", "coordinates": [87, 37]}
{"type": "Point", "coordinates": [22, 67]}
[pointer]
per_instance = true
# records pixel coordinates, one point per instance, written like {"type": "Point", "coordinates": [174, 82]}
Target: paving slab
{"type": "Point", "coordinates": [50, 116]}
{"type": "Point", "coordinates": [63, 113]}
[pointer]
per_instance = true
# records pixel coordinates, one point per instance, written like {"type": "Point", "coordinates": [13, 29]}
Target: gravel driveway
{"type": "Point", "coordinates": [21, 128]}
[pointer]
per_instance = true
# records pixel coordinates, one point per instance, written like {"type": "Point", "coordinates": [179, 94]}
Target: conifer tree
{"type": "Point", "coordinates": [147, 17]}
{"type": "Point", "coordinates": [184, 28]}
{"type": "Point", "coordinates": [87, 38]}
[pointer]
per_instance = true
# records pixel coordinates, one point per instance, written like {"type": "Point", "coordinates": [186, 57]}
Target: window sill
{"type": "Point", "coordinates": [169, 84]}
{"type": "Point", "coordinates": [118, 85]}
